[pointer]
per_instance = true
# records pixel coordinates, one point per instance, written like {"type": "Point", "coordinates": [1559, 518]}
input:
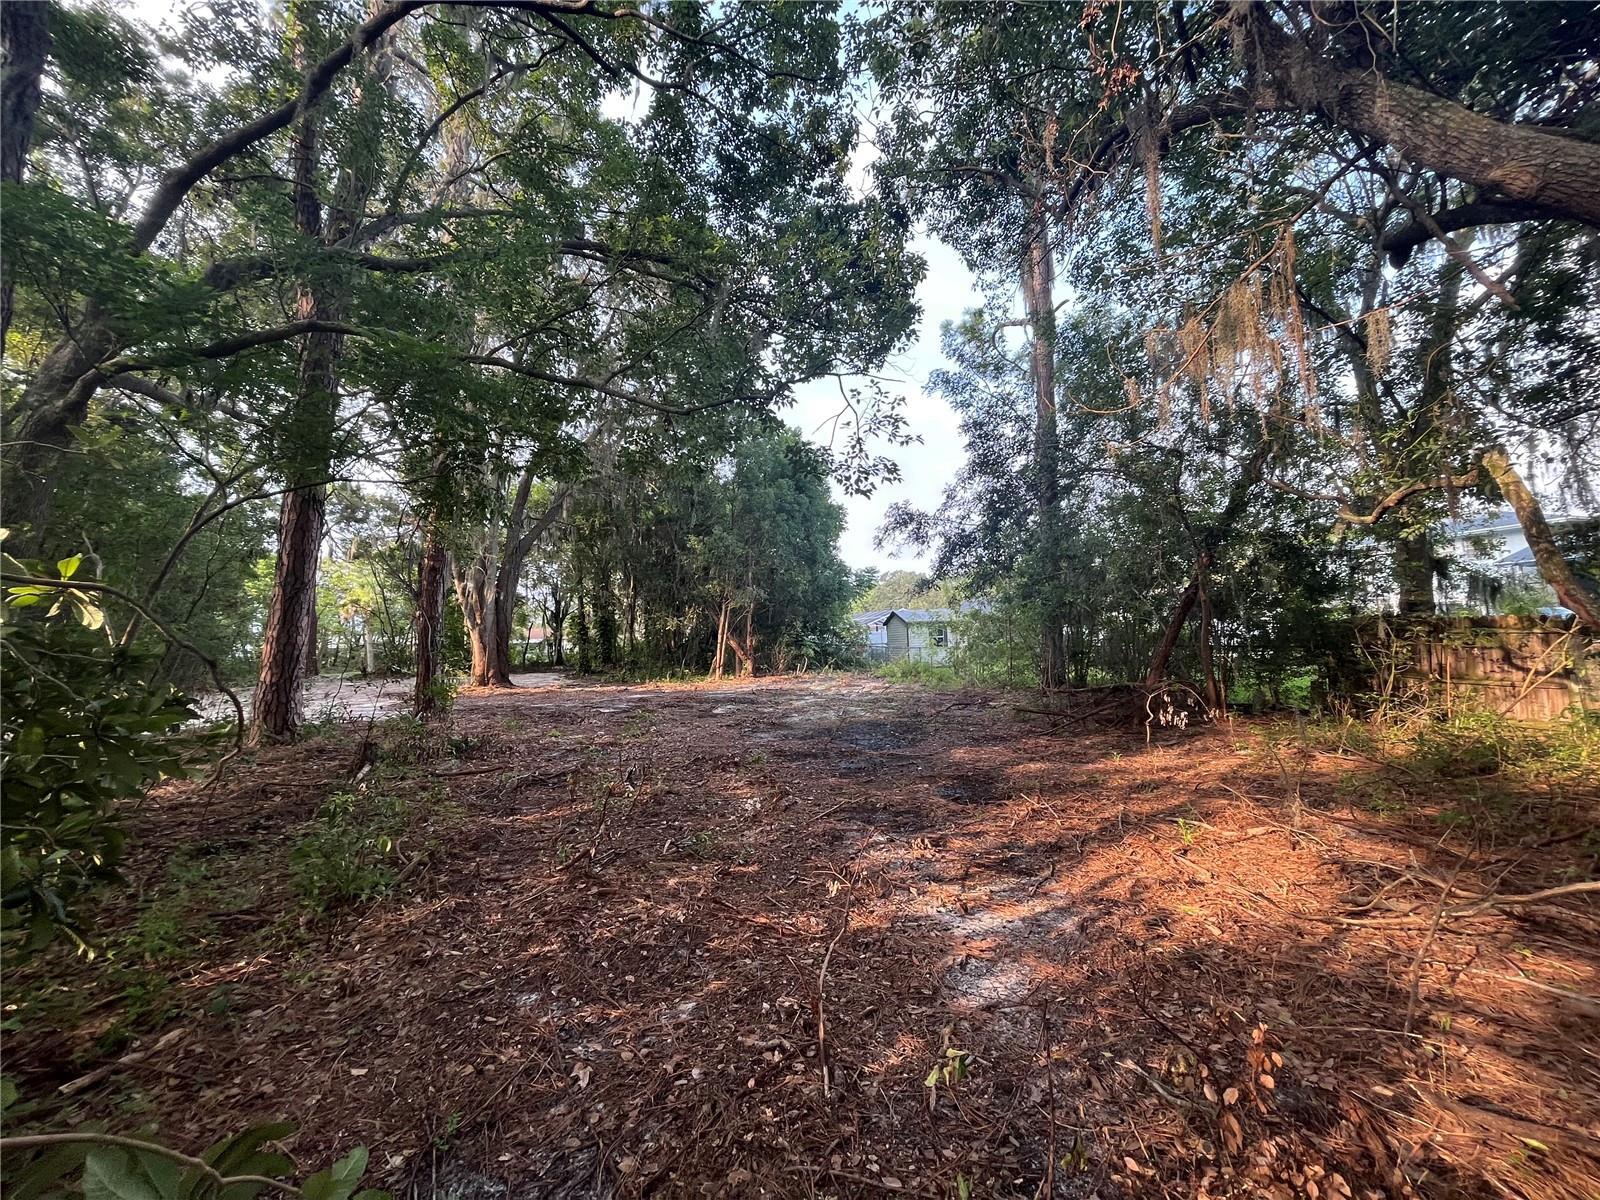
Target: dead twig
{"type": "Point", "coordinates": [1427, 944]}
{"type": "Point", "coordinates": [822, 977]}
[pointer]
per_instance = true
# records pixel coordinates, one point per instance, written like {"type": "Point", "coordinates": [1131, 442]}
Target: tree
{"type": "Point", "coordinates": [1422, 230]}
{"type": "Point", "coordinates": [975, 124]}
{"type": "Point", "coordinates": [418, 168]}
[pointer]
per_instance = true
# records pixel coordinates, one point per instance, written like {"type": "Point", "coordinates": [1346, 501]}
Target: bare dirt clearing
{"type": "Point", "coordinates": [834, 936]}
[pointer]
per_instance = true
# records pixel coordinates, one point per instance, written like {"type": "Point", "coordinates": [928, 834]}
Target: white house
{"type": "Point", "coordinates": [1490, 552]}
{"type": "Point", "coordinates": [923, 634]}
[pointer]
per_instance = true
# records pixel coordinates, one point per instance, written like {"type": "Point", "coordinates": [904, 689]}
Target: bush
{"type": "Point", "coordinates": [1484, 743]}
{"type": "Point", "coordinates": [997, 648]}
{"type": "Point", "coordinates": [351, 853]}
{"type": "Point", "coordinates": [812, 647]}
{"type": "Point", "coordinates": [90, 1163]}
{"type": "Point", "coordinates": [82, 730]}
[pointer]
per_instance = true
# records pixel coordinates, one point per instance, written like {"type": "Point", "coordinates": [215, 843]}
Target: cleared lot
{"type": "Point", "coordinates": [839, 937]}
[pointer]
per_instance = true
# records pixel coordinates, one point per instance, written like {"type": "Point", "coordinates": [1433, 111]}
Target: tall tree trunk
{"type": "Point", "coordinates": [605, 614]}
{"type": "Point", "coordinates": [491, 657]}
{"type": "Point", "coordinates": [312, 425]}
{"type": "Point", "coordinates": [313, 665]}
{"type": "Point", "coordinates": [1169, 637]}
{"type": "Point", "coordinates": [1038, 295]}
{"type": "Point", "coordinates": [1573, 592]}
{"type": "Point", "coordinates": [720, 657]}
{"type": "Point", "coordinates": [633, 613]}
{"type": "Point", "coordinates": [1413, 573]}
{"type": "Point", "coordinates": [24, 45]}
{"type": "Point", "coordinates": [747, 656]}
{"type": "Point", "coordinates": [557, 631]}
{"type": "Point", "coordinates": [487, 586]}
{"type": "Point", "coordinates": [369, 647]}
{"type": "Point", "coordinates": [428, 623]}
{"type": "Point", "coordinates": [286, 658]}
{"type": "Point", "coordinates": [39, 427]}
{"type": "Point", "coordinates": [585, 645]}
{"type": "Point", "coordinates": [279, 705]}
{"type": "Point", "coordinates": [483, 610]}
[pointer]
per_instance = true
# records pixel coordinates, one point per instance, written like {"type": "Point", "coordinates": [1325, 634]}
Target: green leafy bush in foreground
{"type": "Point", "coordinates": [351, 852]}
{"type": "Point", "coordinates": [105, 1167]}
{"type": "Point", "coordinates": [82, 731]}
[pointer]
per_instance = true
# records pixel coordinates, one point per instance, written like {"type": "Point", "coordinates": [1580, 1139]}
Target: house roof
{"type": "Point", "coordinates": [1481, 524]}
{"type": "Point", "coordinates": [924, 616]}
{"type": "Point", "coordinates": [1518, 558]}
{"type": "Point", "coordinates": [1502, 520]}
{"type": "Point", "coordinates": [920, 616]}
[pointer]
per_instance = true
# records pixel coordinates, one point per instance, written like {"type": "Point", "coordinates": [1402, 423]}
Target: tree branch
{"type": "Point", "coordinates": [588, 383]}
{"type": "Point", "coordinates": [1399, 244]}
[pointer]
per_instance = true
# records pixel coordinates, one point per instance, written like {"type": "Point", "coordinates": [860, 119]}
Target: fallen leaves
{"type": "Point", "coordinates": [646, 998]}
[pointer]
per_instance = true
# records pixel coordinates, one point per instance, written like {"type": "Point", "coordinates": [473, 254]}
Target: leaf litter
{"type": "Point", "coordinates": [651, 921]}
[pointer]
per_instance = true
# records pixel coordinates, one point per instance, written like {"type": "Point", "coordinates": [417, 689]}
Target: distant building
{"type": "Point", "coordinates": [1490, 555]}
{"type": "Point", "coordinates": [921, 634]}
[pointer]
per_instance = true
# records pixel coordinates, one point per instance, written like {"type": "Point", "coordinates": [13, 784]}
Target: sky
{"type": "Point", "coordinates": [947, 291]}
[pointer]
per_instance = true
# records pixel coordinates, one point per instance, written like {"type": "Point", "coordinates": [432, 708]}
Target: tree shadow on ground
{"type": "Point", "coordinates": [648, 932]}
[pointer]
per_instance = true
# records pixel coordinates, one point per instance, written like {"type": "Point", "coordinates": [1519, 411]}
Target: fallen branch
{"type": "Point", "coordinates": [822, 976]}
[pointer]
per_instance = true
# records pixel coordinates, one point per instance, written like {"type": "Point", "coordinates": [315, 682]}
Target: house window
{"type": "Point", "coordinates": [941, 636]}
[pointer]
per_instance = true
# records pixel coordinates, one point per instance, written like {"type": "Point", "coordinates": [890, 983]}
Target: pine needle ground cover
{"type": "Point", "coordinates": [838, 936]}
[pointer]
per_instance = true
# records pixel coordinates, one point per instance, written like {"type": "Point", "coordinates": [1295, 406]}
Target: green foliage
{"type": "Point", "coordinates": [1522, 596]}
{"type": "Point", "coordinates": [949, 1072]}
{"type": "Point", "coordinates": [1481, 743]}
{"type": "Point", "coordinates": [915, 670]}
{"type": "Point", "coordinates": [101, 1166]}
{"type": "Point", "coordinates": [351, 852]}
{"type": "Point", "coordinates": [745, 520]}
{"type": "Point", "coordinates": [83, 730]}
{"type": "Point", "coordinates": [1211, 312]}
{"type": "Point", "coordinates": [125, 493]}
{"type": "Point", "coordinates": [996, 648]}
{"type": "Point", "coordinates": [905, 589]}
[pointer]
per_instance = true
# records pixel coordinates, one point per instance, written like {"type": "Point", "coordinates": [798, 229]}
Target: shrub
{"type": "Point", "coordinates": [351, 852]}
{"type": "Point", "coordinates": [88, 1162]}
{"type": "Point", "coordinates": [1484, 743]}
{"type": "Point", "coordinates": [996, 648]}
{"type": "Point", "coordinates": [912, 670]}
{"type": "Point", "coordinates": [82, 730]}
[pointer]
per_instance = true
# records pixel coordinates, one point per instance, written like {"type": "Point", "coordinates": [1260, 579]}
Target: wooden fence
{"type": "Point", "coordinates": [1529, 668]}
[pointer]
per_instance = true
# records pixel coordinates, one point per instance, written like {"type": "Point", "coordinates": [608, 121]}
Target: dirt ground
{"type": "Point", "coordinates": [838, 937]}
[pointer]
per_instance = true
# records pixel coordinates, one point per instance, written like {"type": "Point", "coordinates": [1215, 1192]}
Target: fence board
{"type": "Point", "coordinates": [1528, 668]}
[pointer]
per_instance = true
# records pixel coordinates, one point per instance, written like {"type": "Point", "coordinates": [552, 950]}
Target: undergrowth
{"type": "Point", "coordinates": [1473, 771]}
{"type": "Point", "coordinates": [1482, 743]}
{"type": "Point", "coordinates": [1470, 743]}
{"type": "Point", "coordinates": [352, 852]}
{"type": "Point", "coordinates": [911, 670]}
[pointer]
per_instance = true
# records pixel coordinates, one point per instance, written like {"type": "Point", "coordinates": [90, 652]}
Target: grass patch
{"type": "Point", "coordinates": [911, 670]}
